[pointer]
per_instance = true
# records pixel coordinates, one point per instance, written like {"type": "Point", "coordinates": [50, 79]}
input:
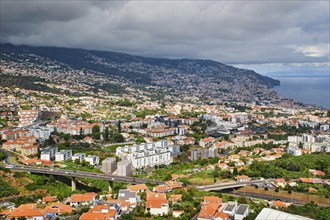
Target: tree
{"type": "Point", "coordinates": [119, 126]}
{"type": "Point", "coordinates": [81, 132]}
{"type": "Point", "coordinates": [118, 138]}
{"type": "Point", "coordinates": [106, 134]}
{"type": "Point", "coordinates": [235, 171]}
{"type": "Point", "coordinates": [96, 132]}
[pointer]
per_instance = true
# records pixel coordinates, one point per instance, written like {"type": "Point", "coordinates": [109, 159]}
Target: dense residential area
{"type": "Point", "coordinates": [134, 156]}
{"type": "Point", "coordinates": [80, 143]}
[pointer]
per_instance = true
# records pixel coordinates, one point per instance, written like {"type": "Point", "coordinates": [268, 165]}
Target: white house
{"type": "Point", "coordinates": [157, 204]}
{"type": "Point", "coordinates": [241, 212]}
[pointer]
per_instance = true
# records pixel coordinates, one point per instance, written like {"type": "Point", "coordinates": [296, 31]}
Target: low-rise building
{"type": "Point", "coordinates": [48, 153]}
{"type": "Point", "coordinates": [138, 188]}
{"type": "Point", "coordinates": [79, 156]}
{"type": "Point", "coordinates": [63, 155]}
{"type": "Point", "coordinates": [241, 212]}
{"type": "Point", "coordinates": [157, 203]}
{"type": "Point", "coordinates": [92, 159]}
{"type": "Point", "coordinates": [82, 199]}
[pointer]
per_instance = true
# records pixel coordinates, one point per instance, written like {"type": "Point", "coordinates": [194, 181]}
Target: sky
{"type": "Point", "coordinates": [266, 36]}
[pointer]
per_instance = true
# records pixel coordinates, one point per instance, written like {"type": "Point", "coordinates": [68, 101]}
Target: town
{"type": "Point", "coordinates": [133, 156]}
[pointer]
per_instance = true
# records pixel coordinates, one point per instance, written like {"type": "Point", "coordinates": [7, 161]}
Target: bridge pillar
{"type": "Point", "coordinates": [110, 186]}
{"type": "Point", "coordinates": [73, 184]}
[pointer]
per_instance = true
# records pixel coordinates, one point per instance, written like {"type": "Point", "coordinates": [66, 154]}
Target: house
{"type": "Point", "coordinates": [292, 183]}
{"type": "Point", "coordinates": [212, 209]}
{"type": "Point", "coordinates": [126, 195]}
{"type": "Point", "coordinates": [175, 198]}
{"type": "Point", "coordinates": [241, 212]}
{"type": "Point", "coordinates": [48, 199]}
{"type": "Point", "coordinates": [280, 183]}
{"type": "Point", "coordinates": [242, 178]}
{"type": "Point", "coordinates": [305, 180]}
{"type": "Point", "coordinates": [223, 166]}
{"type": "Point", "coordinates": [206, 142]}
{"type": "Point", "coordinates": [234, 157]}
{"type": "Point", "coordinates": [230, 208]}
{"type": "Point", "coordinates": [239, 163]}
{"type": "Point", "coordinates": [121, 205]}
{"type": "Point", "coordinates": [29, 211]}
{"type": "Point", "coordinates": [88, 140]}
{"type": "Point", "coordinates": [162, 189]}
{"type": "Point", "coordinates": [57, 209]}
{"type": "Point", "coordinates": [157, 203]}
{"type": "Point", "coordinates": [317, 172]}
{"type": "Point", "coordinates": [278, 204]}
{"type": "Point", "coordinates": [138, 188]}
{"type": "Point", "coordinates": [101, 212]}
{"type": "Point", "coordinates": [173, 184]}
{"type": "Point", "coordinates": [177, 213]}
{"type": "Point", "coordinates": [212, 199]}
{"type": "Point", "coordinates": [82, 199]}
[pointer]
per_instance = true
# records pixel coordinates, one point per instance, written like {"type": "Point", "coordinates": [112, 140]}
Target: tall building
{"type": "Point", "coordinates": [124, 168]}
{"type": "Point", "coordinates": [109, 165]}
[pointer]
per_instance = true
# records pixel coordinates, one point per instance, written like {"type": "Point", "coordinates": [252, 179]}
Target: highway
{"type": "Point", "coordinates": [82, 174]}
{"type": "Point", "coordinates": [222, 186]}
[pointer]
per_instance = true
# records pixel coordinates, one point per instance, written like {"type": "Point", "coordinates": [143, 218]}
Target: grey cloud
{"type": "Point", "coordinates": [231, 32]}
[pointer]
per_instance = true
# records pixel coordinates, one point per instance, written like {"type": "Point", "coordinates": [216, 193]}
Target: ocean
{"type": "Point", "coordinates": [305, 88]}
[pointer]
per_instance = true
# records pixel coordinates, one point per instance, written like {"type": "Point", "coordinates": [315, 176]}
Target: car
{"type": "Point", "coordinates": [66, 172]}
{"type": "Point", "coordinates": [51, 169]}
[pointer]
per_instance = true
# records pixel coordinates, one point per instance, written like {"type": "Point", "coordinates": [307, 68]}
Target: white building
{"type": "Point", "coordinates": [48, 153]}
{"type": "Point", "coordinates": [272, 214]}
{"type": "Point", "coordinates": [79, 156]}
{"type": "Point", "coordinates": [109, 165]}
{"type": "Point", "coordinates": [241, 212]}
{"type": "Point", "coordinates": [41, 132]}
{"type": "Point", "coordinates": [92, 159]}
{"type": "Point", "coordinates": [294, 139]}
{"type": "Point", "coordinates": [27, 117]}
{"type": "Point", "coordinates": [294, 150]}
{"type": "Point", "coordinates": [63, 155]}
{"type": "Point", "coordinates": [148, 154]}
{"type": "Point", "coordinates": [124, 168]}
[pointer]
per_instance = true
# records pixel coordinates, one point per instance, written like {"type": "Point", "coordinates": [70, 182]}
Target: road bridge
{"type": "Point", "coordinates": [82, 174]}
{"type": "Point", "coordinates": [231, 185]}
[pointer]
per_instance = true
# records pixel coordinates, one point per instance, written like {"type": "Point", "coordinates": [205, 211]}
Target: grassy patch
{"type": "Point", "coordinates": [295, 195]}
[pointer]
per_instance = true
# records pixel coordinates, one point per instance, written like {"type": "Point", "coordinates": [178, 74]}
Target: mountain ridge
{"type": "Point", "coordinates": [202, 79]}
{"type": "Point", "coordinates": [81, 58]}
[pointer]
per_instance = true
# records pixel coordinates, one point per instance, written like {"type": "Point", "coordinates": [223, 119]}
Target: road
{"type": "Point", "coordinates": [82, 174]}
{"type": "Point", "coordinates": [222, 186]}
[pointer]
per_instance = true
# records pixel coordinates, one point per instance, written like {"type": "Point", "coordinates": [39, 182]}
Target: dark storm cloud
{"type": "Point", "coordinates": [232, 32]}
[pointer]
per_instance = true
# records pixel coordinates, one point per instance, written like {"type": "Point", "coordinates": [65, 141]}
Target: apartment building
{"type": "Point", "coordinates": [124, 168]}
{"type": "Point", "coordinates": [148, 154]}
{"type": "Point", "coordinates": [63, 155]}
{"type": "Point", "coordinates": [109, 165]}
